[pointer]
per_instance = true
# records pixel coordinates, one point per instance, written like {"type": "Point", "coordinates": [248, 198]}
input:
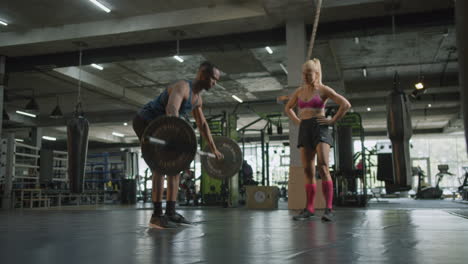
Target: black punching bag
{"type": "Point", "coordinates": [399, 131]}
{"type": "Point", "coordinates": [77, 132]}
{"type": "Point", "coordinates": [345, 150]}
{"type": "Point", "coordinates": [461, 22]}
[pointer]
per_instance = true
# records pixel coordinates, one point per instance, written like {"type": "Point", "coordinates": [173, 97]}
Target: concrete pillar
{"type": "Point", "coordinates": [36, 137]}
{"type": "Point", "coordinates": [296, 53]}
{"type": "Point", "coordinates": [2, 88]}
{"type": "Point", "coordinates": [461, 21]}
{"type": "Point", "coordinates": [234, 180]}
{"type": "Point", "coordinates": [8, 144]}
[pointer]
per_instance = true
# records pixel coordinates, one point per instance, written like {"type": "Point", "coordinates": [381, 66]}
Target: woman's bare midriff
{"type": "Point", "coordinates": [311, 113]}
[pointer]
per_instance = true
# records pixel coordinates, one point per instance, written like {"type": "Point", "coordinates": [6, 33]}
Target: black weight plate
{"type": "Point", "coordinates": [177, 154]}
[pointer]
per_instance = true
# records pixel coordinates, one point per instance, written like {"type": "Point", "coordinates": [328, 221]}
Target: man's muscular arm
{"type": "Point", "coordinates": [176, 96]}
{"type": "Point", "coordinates": [204, 129]}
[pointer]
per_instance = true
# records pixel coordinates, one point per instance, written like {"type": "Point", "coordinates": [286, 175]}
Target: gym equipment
{"type": "Point", "coordinates": [431, 192]}
{"type": "Point", "coordinates": [164, 143]}
{"type": "Point", "coordinates": [178, 150]}
{"type": "Point", "coordinates": [187, 190]}
{"type": "Point", "coordinates": [169, 146]}
{"type": "Point", "coordinates": [314, 29]}
{"type": "Point", "coordinates": [229, 165]}
{"type": "Point", "coordinates": [346, 150]}
{"type": "Point", "coordinates": [283, 99]}
{"type": "Point", "coordinates": [77, 146]}
{"type": "Point", "coordinates": [461, 20]}
{"type": "Point", "coordinates": [463, 189]}
{"type": "Point", "coordinates": [77, 141]}
{"type": "Point", "coordinates": [128, 191]}
{"type": "Point", "coordinates": [350, 183]}
{"type": "Point", "coordinates": [399, 132]}
{"type": "Point", "coordinates": [262, 197]}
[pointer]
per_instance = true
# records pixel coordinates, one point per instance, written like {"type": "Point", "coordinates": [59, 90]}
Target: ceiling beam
{"type": "Point", "coordinates": [118, 117]}
{"type": "Point", "coordinates": [102, 118]}
{"type": "Point", "coordinates": [126, 25]}
{"type": "Point", "coordinates": [276, 36]}
{"type": "Point", "coordinates": [95, 83]}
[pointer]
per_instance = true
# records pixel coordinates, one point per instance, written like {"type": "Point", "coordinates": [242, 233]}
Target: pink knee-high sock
{"type": "Point", "coordinates": [327, 189]}
{"type": "Point", "coordinates": [310, 190]}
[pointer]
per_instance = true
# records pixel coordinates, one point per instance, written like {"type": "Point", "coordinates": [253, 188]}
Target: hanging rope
{"type": "Point", "coordinates": [78, 107]}
{"type": "Point", "coordinates": [79, 75]}
{"type": "Point", "coordinates": [284, 98]}
{"type": "Point", "coordinates": [314, 29]}
{"type": "Point", "coordinates": [177, 51]}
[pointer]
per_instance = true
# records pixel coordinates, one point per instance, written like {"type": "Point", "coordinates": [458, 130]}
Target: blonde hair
{"type": "Point", "coordinates": [316, 67]}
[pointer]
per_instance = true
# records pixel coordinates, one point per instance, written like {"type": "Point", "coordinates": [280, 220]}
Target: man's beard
{"type": "Point", "coordinates": [205, 84]}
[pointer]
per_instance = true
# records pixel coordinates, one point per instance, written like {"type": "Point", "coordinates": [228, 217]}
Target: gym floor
{"type": "Point", "coordinates": [113, 234]}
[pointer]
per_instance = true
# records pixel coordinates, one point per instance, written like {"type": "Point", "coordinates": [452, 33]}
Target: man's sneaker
{"type": "Point", "coordinates": [161, 222]}
{"type": "Point", "coordinates": [179, 219]}
{"type": "Point", "coordinates": [328, 216]}
{"type": "Point", "coordinates": [303, 215]}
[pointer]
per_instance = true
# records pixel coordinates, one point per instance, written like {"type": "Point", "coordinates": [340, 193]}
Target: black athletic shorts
{"type": "Point", "coordinates": [311, 134]}
{"type": "Point", "coordinates": [139, 125]}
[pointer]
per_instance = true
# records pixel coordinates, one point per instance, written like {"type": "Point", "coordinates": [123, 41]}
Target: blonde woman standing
{"type": "Point", "coordinates": [315, 138]}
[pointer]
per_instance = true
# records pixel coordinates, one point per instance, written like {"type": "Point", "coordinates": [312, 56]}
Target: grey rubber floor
{"type": "Point", "coordinates": [233, 236]}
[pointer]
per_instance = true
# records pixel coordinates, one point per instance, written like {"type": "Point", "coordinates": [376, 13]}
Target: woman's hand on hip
{"type": "Point", "coordinates": [324, 121]}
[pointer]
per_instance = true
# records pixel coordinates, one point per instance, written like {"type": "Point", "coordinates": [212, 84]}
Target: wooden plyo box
{"type": "Point", "coordinates": [262, 197]}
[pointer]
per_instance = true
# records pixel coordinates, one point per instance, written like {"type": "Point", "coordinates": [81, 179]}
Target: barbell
{"type": "Point", "coordinates": [159, 141]}
{"type": "Point", "coordinates": [169, 145]}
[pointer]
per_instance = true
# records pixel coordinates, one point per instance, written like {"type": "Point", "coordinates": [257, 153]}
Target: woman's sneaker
{"type": "Point", "coordinates": [161, 222]}
{"type": "Point", "coordinates": [179, 219]}
{"type": "Point", "coordinates": [303, 215]}
{"type": "Point", "coordinates": [328, 216]}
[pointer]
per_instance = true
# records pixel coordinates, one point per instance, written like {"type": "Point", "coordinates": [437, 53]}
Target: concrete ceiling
{"type": "Point", "coordinates": [135, 44]}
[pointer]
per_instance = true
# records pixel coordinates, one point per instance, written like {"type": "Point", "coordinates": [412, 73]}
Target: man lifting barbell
{"type": "Point", "coordinates": [178, 99]}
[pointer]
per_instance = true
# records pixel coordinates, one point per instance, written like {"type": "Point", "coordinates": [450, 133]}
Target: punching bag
{"type": "Point", "coordinates": [77, 142]}
{"type": "Point", "coordinates": [461, 22]}
{"type": "Point", "coordinates": [399, 131]}
{"type": "Point", "coordinates": [345, 150]}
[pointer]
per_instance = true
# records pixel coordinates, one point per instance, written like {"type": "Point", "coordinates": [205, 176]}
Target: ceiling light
{"type": "Point", "coordinates": [6, 117]}
{"type": "Point", "coordinates": [118, 134]}
{"type": "Point", "coordinates": [269, 50]}
{"type": "Point", "coordinates": [284, 68]}
{"type": "Point", "coordinates": [26, 114]}
{"type": "Point", "coordinates": [3, 23]}
{"type": "Point", "coordinates": [356, 40]}
{"type": "Point", "coordinates": [364, 72]}
{"type": "Point", "coordinates": [32, 106]}
{"type": "Point", "coordinates": [99, 67]}
{"type": "Point", "coordinates": [368, 109]}
{"type": "Point", "coordinates": [125, 124]}
{"type": "Point", "coordinates": [19, 140]}
{"type": "Point", "coordinates": [103, 7]}
{"type": "Point", "coordinates": [49, 138]}
{"type": "Point", "coordinates": [429, 105]}
{"type": "Point", "coordinates": [237, 99]}
{"type": "Point", "coordinates": [57, 112]}
{"type": "Point", "coordinates": [178, 58]}
{"type": "Point", "coordinates": [419, 86]}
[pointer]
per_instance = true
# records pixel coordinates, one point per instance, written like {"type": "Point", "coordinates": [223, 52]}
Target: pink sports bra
{"type": "Point", "coordinates": [315, 102]}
